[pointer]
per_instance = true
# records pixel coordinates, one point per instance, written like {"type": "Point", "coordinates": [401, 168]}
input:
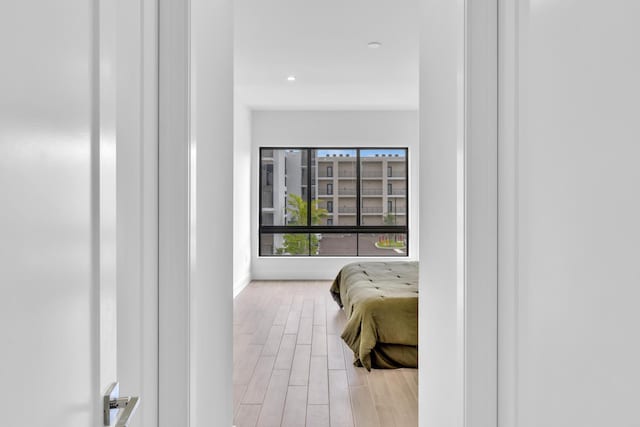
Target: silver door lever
{"type": "Point", "coordinates": [113, 404]}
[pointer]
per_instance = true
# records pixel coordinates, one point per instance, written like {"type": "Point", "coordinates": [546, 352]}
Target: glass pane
{"type": "Point", "coordinates": [383, 182]}
{"type": "Point", "coordinates": [331, 244]}
{"type": "Point", "coordinates": [284, 187]}
{"type": "Point", "coordinates": [288, 244]}
{"type": "Point", "coordinates": [382, 244]}
{"type": "Point", "coordinates": [335, 175]}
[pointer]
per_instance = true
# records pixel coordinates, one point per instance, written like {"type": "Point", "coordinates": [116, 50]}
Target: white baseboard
{"type": "Point", "coordinates": [306, 268]}
{"type": "Point", "coordinates": [294, 275]}
{"type": "Point", "coordinates": [241, 284]}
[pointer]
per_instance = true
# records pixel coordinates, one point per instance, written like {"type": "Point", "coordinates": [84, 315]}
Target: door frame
{"type": "Point", "coordinates": [137, 204]}
{"type": "Point", "coordinates": [458, 221]}
{"type": "Point", "coordinates": [458, 239]}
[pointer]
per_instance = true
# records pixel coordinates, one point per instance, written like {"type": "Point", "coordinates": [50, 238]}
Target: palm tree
{"type": "Point", "coordinates": [301, 244]}
{"type": "Point", "coordinates": [390, 219]}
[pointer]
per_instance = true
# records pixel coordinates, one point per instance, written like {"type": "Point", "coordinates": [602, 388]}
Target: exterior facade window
{"type": "Point", "coordinates": [300, 214]}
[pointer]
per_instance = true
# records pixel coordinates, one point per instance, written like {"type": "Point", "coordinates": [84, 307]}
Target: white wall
{"type": "Point", "coordinates": [329, 129]}
{"type": "Point", "coordinates": [211, 215]}
{"type": "Point", "coordinates": [241, 196]}
{"type": "Point", "coordinates": [570, 213]}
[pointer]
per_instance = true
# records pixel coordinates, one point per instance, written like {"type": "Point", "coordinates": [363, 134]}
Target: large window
{"type": "Point", "coordinates": [333, 202]}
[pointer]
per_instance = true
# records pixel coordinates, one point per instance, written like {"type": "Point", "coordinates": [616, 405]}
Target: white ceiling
{"type": "Point", "coordinates": [324, 44]}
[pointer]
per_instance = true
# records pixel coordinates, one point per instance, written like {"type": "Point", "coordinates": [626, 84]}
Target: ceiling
{"type": "Point", "coordinates": [324, 44]}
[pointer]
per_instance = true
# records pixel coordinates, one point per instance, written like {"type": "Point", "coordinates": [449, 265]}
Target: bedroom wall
{"type": "Point", "coordinates": [569, 213]}
{"type": "Point", "coordinates": [335, 129]}
{"type": "Point", "coordinates": [241, 196]}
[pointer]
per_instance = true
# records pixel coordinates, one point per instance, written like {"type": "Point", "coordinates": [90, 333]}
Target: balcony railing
{"type": "Point", "coordinates": [371, 209]}
{"type": "Point", "coordinates": [267, 199]}
{"type": "Point", "coordinates": [399, 174]}
{"type": "Point", "coordinates": [372, 191]}
{"type": "Point", "coordinates": [347, 191]}
{"type": "Point", "coordinates": [398, 192]}
{"type": "Point", "coordinates": [372, 174]}
{"type": "Point", "coordinates": [347, 209]}
{"type": "Point", "coordinates": [347, 174]}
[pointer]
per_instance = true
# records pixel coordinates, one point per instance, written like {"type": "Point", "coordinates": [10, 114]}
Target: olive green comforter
{"type": "Point", "coordinates": [380, 300]}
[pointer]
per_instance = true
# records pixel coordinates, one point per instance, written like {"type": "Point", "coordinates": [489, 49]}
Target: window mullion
{"type": "Point", "coordinates": [358, 200]}
{"type": "Point", "coordinates": [358, 182]}
{"type": "Point", "coordinates": [309, 198]}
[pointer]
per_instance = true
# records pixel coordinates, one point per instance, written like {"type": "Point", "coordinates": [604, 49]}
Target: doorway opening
{"type": "Point", "coordinates": [326, 150]}
{"type": "Point", "coordinates": [456, 173]}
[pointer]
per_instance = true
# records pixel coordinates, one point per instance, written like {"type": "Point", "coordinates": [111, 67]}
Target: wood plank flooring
{"type": "Point", "coordinates": [291, 368]}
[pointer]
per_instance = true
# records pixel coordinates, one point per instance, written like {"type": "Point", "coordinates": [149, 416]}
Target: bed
{"type": "Point", "coordinates": [380, 300]}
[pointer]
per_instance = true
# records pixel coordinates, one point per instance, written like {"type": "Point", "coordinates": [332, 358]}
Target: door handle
{"type": "Point", "coordinates": [113, 404]}
{"type": "Point", "coordinates": [130, 408]}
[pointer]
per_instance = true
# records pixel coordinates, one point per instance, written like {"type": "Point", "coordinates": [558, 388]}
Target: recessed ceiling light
{"type": "Point", "coordinates": [374, 45]}
{"type": "Point", "coordinates": [291, 78]}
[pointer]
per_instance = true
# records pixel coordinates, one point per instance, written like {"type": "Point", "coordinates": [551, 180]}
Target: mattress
{"type": "Point", "coordinates": [380, 300]}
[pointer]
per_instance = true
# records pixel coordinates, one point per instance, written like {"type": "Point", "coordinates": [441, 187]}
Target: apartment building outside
{"type": "Point", "coordinates": [383, 190]}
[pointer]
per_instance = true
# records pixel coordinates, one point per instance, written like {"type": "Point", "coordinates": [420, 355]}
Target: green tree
{"type": "Point", "coordinates": [301, 244]}
{"type": "Point", "coordinates": [389, 219]}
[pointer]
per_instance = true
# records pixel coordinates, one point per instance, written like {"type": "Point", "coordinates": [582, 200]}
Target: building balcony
{"type": "Point", "coordinates": [267, 199]}
{"type": "Point", "coordinates": [371, 210]}
{"type": "Point", "coordinates": [347, 209]}
{"type": "Point", "coordinates": [372, 192]}
{"type": "Point", "coordinates": [399, 211]}
{"type": "Point", "coordinates": [347, 192]}
{"type": "Point", "coordinates": [372, 174]}
{"type": "Point", "coordinates": [347, 174]}
{"type": "Point", "coordinates": [397, 175]}
{"type": "Point", "coordinates": [401, 192]}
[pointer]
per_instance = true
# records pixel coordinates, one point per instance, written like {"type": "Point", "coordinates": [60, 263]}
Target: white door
{"type": "Point", "coordinates": [57, 212]}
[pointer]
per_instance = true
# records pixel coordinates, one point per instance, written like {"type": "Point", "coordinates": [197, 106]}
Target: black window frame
{"type": "Point", "coordinates": [334, 229]}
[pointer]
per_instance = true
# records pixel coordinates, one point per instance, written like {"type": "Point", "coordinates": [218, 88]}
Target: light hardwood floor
{"type": "Point", "coordinates": [291, 368]}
